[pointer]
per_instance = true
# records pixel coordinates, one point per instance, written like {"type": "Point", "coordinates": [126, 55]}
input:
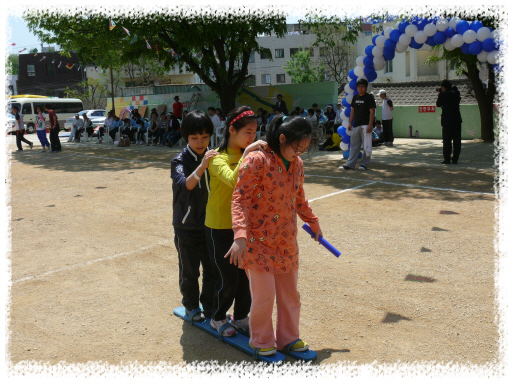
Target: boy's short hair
{"type": "Point", "coordinates": [329, 132]}
{"type": "Point", "coordinates": [315, 105]}
{"type": "Point", "coordinates": [163, 114]}
{"type": "Point", "coordinates": [196, 122]}
{"type": "Point", "coordinates": [294, 113]}
{"type": "Point", "coordinates": [48, 106]}
{"type": "Point", "coordinates": [311, 111]}
{"type": "Point", "coordinates": [362, 82]}
{"type": "Point", "coordinates": [277, 109]}
{"type": "Point", "coordinates": [15, 107]}
{"type": "Point", "coordinates": [211, 109]}
{"type": "Point", "coordinates": [126, 120]}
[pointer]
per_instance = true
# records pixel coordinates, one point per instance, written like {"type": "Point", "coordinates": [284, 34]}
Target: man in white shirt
{"type": "Point", "coordinates": [338, 120]}
{"type": "Point", "coordinates": [20, 129]}
{"type": "Point", "coordinates": [214, 117]}
{"type": "Point", "coordinates": [387, 118]}
{"type": "Point", "coordinates": [77, 124]}
{"type": "Point", "coordinates": [109, 121]}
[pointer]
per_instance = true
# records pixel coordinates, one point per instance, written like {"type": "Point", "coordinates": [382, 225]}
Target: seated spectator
{"type": "Point", "coordinates": [117, 125]}
{"type": "Point", "coordinates": [141, 130]}
{"type": "Point", "coordinates": [154, 128]}
{"type": "Point", "coordinates": [377, 136]}
{"type": "Point", "coordinates": [129, 129]}
{"type": "Point", "coordinates": [320, 117]}
{"type": "Point", "coordinates": [301, 112]}
{"type": "Point", "coordinates": [330, 115]}
{"type": "Point", "coordinates": [185, 113]}
{"type": "Point", "coordinates": [86, 127]}
{"type": "Point", "coordinates": [77, 124]}
{"type": "Point", "coordinates": [315, 107]}
{"type": "Point", "coordinates": [311, 115]}
{"type": "Point", "coordinates": [294, 113]}
{"type": "Point", "coordinates": [108, 122]}
{"type": "Point", "coordinates": [173, 134]}
{"type": "Point", "coordinates": [214, 117]}
{"type": "Point", "coordinates": [332, 143]}
{"type": "Point", "coordinates": [218, 112]}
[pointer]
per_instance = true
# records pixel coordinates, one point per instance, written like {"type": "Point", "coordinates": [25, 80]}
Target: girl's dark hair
{"type": "Point", "coordinates": [196, 122]}
{"type": "Point", "coordinates": [294, 129]}
{"type": "Point", "coordinates": [238, 125]}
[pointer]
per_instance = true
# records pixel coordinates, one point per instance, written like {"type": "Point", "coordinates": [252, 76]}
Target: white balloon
{"type": "Point", "coordinates": [495, 34]}
{"type": "Point", "coordinates": [420, 37]}
{"type": "Point", "coordinates": [378, 60]}
{"type": "Point", "coordinates": [378, 67]}
{"type": "Point", "coordinates": [380, 41]}
{"type": "Point", "coordinates": [469, 36]}
{"type": "Point", "coordinates": [457, 41]}
{"type": "Point", "coordinates": [343, 117]}
{"type": "Point", "coordinates": [344, 123]}
{"type": "Point", "coordinates": [401, 48]}
{"type": "Point", "coordinates": [359, 71]}
{"type": "Point", "coordinates": [349, 79]}
{"type": "Point", "coordinates": [430, 29]}
{"type": "Point", "coordinates": [343, 146]}
{"type": "Point", "coordinates": [377, 51]}
{"type": "Point", "coordinates": [442, 24]}
{"type": "Point", "coordinates": [411, 30]}
{"type": "Point", "coordinates": [387, 31]}
{"type": "Point", "coordinates": [349, 97]}
{"type": "Point", "coordinates": [404, 40]}
{"type": "Point", "coordinates": [483, 34]}
{"type": "Point", "coordinates": [359, 61]}
{"type": "Point", "coordinates": [349, 133]}
{"type": "Point", "coordinates": [397, 25]}
{"type": "Point", "coordinates": [482, 56]}
{"type": "Point", "coordinates": [492, 57]}
{"type": "Point", "coordinates": [453, 22]}
{"type": "Point", "coordinates": [448, 45]}
{"type": "Point", "coordinates": [348, 89]}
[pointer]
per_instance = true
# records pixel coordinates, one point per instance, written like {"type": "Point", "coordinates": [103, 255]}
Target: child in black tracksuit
{"type": "Point", "coordinates": [190, 187]}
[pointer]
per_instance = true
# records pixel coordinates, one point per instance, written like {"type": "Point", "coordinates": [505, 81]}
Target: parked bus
{"type": "Point", "coordinates": [63, 108]}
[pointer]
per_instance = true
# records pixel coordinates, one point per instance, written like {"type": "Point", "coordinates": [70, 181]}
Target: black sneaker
{"type": "Point", "coordinates": [445, 162]}
{"type": "Point", "coordinates": [363, 168]}
{"type": "Point", "coordinates": [344, 167]}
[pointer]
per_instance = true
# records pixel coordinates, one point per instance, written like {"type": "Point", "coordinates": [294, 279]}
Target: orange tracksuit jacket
{"type": "Point", "coordinates": [264, 210]}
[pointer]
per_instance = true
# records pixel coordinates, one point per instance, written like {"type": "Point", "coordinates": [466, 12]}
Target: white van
{"type": "Point", "coordinates": [63, 108]}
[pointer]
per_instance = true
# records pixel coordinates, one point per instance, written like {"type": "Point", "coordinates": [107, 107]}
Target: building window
{"type": "Point", "coordinates": [264, 56]}
{"type": "Point", "coordinates": [27, 109]}
{"type": "Point", "coordinates": [31, 70]}
{"type": "Point", "coordinates": [389, 66]}
{"type": "Point", "coordinates": [281, 78]}
{"type": "Point", "coordinates": [265, 79]}
{"type": "Point", "coordinates": [50, 69]}
{"type": "Point", "coordinates": [279, 53]}
{"type": "Point", "coordinates": [293, 51]}
{"type": "Point", "coordinates": [251, 57]}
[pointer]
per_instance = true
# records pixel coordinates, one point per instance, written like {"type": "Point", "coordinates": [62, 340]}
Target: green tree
{"type": "Point", "coordinates": [301, 69]}
{"type": "Point", "coordinates": [12, 66]}
{"type": "Point", "coordinates": [33, 50]}
{"type": "Point", "coordinates": [92, 92]}
{"type": "Point", "coordinates": [215, 45]}
{"type": "Point", "coordinates": [141, 71]}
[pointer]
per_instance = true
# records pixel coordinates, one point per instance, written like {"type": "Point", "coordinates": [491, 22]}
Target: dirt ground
{"type": "Point", "coordinates": [95, 270]}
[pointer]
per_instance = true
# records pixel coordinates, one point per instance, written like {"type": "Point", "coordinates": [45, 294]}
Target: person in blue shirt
{"type": "Point", "coordinates": [116, 126]}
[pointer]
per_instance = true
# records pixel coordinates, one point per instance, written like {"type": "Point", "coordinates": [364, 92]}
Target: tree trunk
{"type": "Point", "coordinates": [227, 95]}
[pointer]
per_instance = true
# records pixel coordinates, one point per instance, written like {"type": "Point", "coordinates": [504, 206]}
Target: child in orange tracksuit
{"type": "Point", "coordinates": [266, 200]}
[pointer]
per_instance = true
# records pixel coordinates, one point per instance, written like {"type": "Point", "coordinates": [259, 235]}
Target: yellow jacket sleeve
{"type": "Point", "coordinates": [220, 168]}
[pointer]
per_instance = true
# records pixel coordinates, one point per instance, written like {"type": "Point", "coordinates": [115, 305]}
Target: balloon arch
{"type": "Point", "coordinates": [470, 37]}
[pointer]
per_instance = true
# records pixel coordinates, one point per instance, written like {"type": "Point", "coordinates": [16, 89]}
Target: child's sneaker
{"type": "Point", "coordinates": [197, 317]}
{"type": "Point", "coordinates": [299, 346]}
{"type": "Point", "coordinates": [229, 331]}
{"type": "Point", "coordinates": [264, 351]}
{"type": "Point", "coordinates": [242, 325]}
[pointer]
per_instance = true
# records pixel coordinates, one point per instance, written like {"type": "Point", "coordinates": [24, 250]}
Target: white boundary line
{"type": "Point", "coordinates": [345, 190]}
{"type": "Point", "coordinates": [406, 185]}
{"type": "Point", "coordinates": [88, 263]}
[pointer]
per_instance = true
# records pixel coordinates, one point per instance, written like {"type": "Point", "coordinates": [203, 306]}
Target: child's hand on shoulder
{"type": "Point", "coordinates": [259, 145]}
{"type": "Point", "coordinates": [207, 156]}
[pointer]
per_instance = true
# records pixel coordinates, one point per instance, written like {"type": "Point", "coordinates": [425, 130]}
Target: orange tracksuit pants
{"type": "Point", "coordinates": [264, 288]}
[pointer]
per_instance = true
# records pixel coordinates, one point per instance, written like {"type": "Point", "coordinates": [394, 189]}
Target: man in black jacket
{"type": "Point", "coordinates": [281, 104]}
{"type": "Point", "coordinates": [449, 100]}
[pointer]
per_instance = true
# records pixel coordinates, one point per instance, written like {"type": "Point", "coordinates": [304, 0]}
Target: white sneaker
{"type": "Point", "coordinates": [242, 324]}
{"type": "Point", "coordinates": [229, 331]}
{"type": "Point", "coordinates": [363, 168]}
{"type": "Point", "coordinates": [44, 150]}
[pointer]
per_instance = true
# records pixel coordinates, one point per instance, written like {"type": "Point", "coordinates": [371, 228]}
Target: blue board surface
{"type": "Point", "coordinates": [238, 341]}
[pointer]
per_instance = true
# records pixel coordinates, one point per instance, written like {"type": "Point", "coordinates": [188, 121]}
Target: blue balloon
{"type": "Point", "coordinates": [421, 24]}
{"type": "Point", "coordinates": [342, 131]}
{"type": "Point", "coordinates": [389, 54]}
{"type": "Point", "coordinates": [368, 50]}
{"type": "Point", "coordinates": [355, 92]}
{"type": "Point", "coordinates": [395, 35]}
{"type": "Point", "coordinates": [345, 139]}
{"type": "Point", "coordinates": [497, 68]}
{"type": "Point", "coordinates": [345, 103]}
{"type": "Point", "coordinates": [368, 71]}
{"type": "Point", "coordinates": [368, 61]}
{"type": "Point", "coordinates": [488, 45]}
{"type": "Point", "coordinates": [465, 48]}
{"type": "Point", "coordinates": [372, 77]}
{"type": "Point", "coordinates": [353, 84]}
{"type": "Point", "coordinates": [382, 33]}
{"type": "Point", "coordinates": [390, 44]}
{"type": "Point", "coordinates": [430, 41]}
{"type": "Point", "coordinates": [439, 38]}
{"type": "Point", "coordinates": [352, 75]}
{"type": "Point", "coordinates": [346, 153]}
{"type": "Point", "coordinates": [475, 47]}
{"type": "Point", "coordinates": [347, 111]}
{"type": "Point", "coordinates": [449, 32]}
{"type": "Point", "coordinates": [476, 25]}
{"type": "Point", "coordinates": [416, 45]}
{"type": "Point", "coordinates": [374, 38]}
{"type": "Point", "coordinates": [462, 26]}
{"type": "Point", "coordinates": [402, 26]}
{"type": "Point", "coordinates": [434, 20]}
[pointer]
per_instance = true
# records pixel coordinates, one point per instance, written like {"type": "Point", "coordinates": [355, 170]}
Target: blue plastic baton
{"type": "Point", "coordinates": [322, 241]}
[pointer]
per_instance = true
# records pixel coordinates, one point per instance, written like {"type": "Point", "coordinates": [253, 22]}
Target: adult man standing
{"type": "Point", "coordinates": [214, 117]}
{"type": "Point", "coordinates": [362, 115]}
{"type": "Point", "coordinates": [281, 104]}
{"type": "Point", "coordinates": [449, 100]}
{"type": "Point", "coordinates": [338, 120]}
{"type": "Point", "coordinates": [177, 107]}
{"type": "Point", "coordinates": [20, 129]}
{"type": "Point", "coordinates": [54, 129]}
{"type": "Point", "coordinates": [387, 118]}
{"type": "Point", "coordinates": [77, 124]}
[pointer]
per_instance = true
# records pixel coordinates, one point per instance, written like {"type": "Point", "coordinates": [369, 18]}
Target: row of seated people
{"type": "Point", "coordinates": [333, 141]}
